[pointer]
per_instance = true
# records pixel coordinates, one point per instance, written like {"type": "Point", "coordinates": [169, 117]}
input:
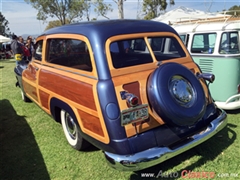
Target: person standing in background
{"type": "Point", "coordinates": [30, 47]}
{"type": "Point", "coordinates": [26, 52]}
{"type": "Point", "coordinates": [16, 49]}
{"type": "Point", "coordinates": [21, 41]}
{"type": "Point", "coordinates": [32, 40]}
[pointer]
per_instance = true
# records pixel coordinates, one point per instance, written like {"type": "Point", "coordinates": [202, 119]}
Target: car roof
{"type": "Point", "coordinates": [108, 28]}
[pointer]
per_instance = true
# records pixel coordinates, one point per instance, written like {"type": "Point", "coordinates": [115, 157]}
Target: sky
{"type": "Point", "coordinates": [22, 17]}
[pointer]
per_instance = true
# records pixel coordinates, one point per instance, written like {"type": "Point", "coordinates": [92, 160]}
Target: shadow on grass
{"type": "Point", "coordinates": [208, 151]}
{"type": "Point", "coordinates": [1, 67]}
{"type": "Point", "coordinates": [91, 148]}
{"type": "Point", "coordinates": [20, 155]}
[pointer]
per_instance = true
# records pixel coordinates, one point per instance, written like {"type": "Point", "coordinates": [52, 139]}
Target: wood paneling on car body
{"type": "Point", "coordinates": [32, 90]}
{"type": "Point", "coordinates": [91, 122]}
{"type": "Point", "coordinates": [44, 99]}
{"type": "Point", "coordinates": [76, 91]}
{"type": "Point", "coordinates": [79, 95]}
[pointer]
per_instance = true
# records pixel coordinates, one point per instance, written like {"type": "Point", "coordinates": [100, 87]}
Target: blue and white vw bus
{"type": "Point", "coordinates": [214, 46]}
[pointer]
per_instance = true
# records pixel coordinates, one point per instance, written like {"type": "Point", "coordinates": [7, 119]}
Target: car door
{"type": "Point", "coordinates": [31, 74]}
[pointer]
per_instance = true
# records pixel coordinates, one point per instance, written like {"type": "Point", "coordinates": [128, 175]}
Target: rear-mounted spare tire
{"type": "Point", "coordinates": [176, 95]}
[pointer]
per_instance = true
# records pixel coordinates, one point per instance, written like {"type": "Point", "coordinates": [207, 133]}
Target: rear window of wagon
{"type": "Point", "coordinates": [131, 52]}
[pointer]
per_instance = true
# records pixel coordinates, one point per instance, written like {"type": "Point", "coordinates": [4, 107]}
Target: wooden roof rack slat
{"type": "Point", "coordinates": [207, 19]}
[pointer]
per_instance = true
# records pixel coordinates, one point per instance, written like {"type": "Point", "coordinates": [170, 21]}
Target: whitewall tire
{"type": "Point", "coordinates": [72, 131]}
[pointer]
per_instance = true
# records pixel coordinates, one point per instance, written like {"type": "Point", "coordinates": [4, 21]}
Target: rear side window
{"type": "Point", "coordinates": [203, 43]}
{"type": "Point", "coordinates": [70, 53]}
{"type": "Point", "coordinates": [229, 43]}
{"type": "Point", "coordinates": [133, 52]}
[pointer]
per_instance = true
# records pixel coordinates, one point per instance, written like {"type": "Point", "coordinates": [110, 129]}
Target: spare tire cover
{"type": "Point", "coordinates": [176, 95]}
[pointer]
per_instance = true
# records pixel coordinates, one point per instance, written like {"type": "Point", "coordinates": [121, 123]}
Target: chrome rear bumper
{"type": "Point", "coordinates": [156, 155]}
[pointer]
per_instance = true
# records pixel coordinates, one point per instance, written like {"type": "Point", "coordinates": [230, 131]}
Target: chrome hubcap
{"type": "Point", "coordinates": [22, 94]}
{"type": "Point", "coordinates": [70, 125]}
{"type": "Point", "coordinates": [182, 91]}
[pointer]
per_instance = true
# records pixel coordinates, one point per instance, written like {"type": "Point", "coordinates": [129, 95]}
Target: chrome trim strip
{"type": "Point", "coordinates": [62, 69]}
{"type": "Point", "coordinates": [156, 155]}
{"type": "Point", "coordinates": [214, 55]}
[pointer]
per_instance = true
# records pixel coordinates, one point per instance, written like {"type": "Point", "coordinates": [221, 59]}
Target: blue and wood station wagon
{"type": "Point", "coordinates": [129, 87]}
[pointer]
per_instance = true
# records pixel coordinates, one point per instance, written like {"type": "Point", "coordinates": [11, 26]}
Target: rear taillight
{"type": "Point", "coordinates": [131, 99]}
{"type": "Point", "coordinates": [238, 87]}
{"type": "Point", "coordinates": [135, 114]}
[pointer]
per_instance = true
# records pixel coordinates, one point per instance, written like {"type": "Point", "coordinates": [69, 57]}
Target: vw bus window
{"type": "Point", "coordinates": [203, 43]}
{"type": "Point", "coordinates": [229, 43]}
{"type": "Point", "coordinates": [183, 37]}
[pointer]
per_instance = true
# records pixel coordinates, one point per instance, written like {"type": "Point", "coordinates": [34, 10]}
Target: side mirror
{"type": "Point", "coordinates": [206, 76]}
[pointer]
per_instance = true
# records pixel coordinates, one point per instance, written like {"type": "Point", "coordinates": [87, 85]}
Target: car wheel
{"type": "Point", "coordinates": [24, 97]}
{"type": "Point", "coordinates": [72, 131]}
{"type": "Point", "coordinates": [176, 95]}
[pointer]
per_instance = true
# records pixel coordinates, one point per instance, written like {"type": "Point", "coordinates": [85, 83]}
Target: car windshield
{"type": "Point", "coordinates": [133, 52]}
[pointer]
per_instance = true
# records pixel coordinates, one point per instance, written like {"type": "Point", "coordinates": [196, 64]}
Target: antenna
{"type": "Point", "coordinates": [40, 26]}
{"type": "Point", "coordinates": [138, 9]}
{"type": "Point", "coordinates": [209, 7]}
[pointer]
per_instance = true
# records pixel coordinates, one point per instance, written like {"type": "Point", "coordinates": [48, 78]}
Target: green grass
{"type": "Point", "coordinates": [33, 146]}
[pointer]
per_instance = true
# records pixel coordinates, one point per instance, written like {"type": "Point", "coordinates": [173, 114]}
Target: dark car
{"type": "Point", "coordinates": [129, 87]}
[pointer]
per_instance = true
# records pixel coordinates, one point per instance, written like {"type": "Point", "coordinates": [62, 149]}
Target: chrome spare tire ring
{"type": "Point", "coordinates": [182, 91]}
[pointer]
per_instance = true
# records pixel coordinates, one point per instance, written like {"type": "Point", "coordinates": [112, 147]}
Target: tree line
{"type": "Point", "coordinates": [69, 11]}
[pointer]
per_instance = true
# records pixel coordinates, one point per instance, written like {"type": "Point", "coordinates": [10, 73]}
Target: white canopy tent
{"type": "Point", "coordinates": [185, 14]}
{"type": "Point", "coordinates": [4, 39]}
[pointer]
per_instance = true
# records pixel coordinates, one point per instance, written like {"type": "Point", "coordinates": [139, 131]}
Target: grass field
{"type": "Point", "coordinates": [33, 146]}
